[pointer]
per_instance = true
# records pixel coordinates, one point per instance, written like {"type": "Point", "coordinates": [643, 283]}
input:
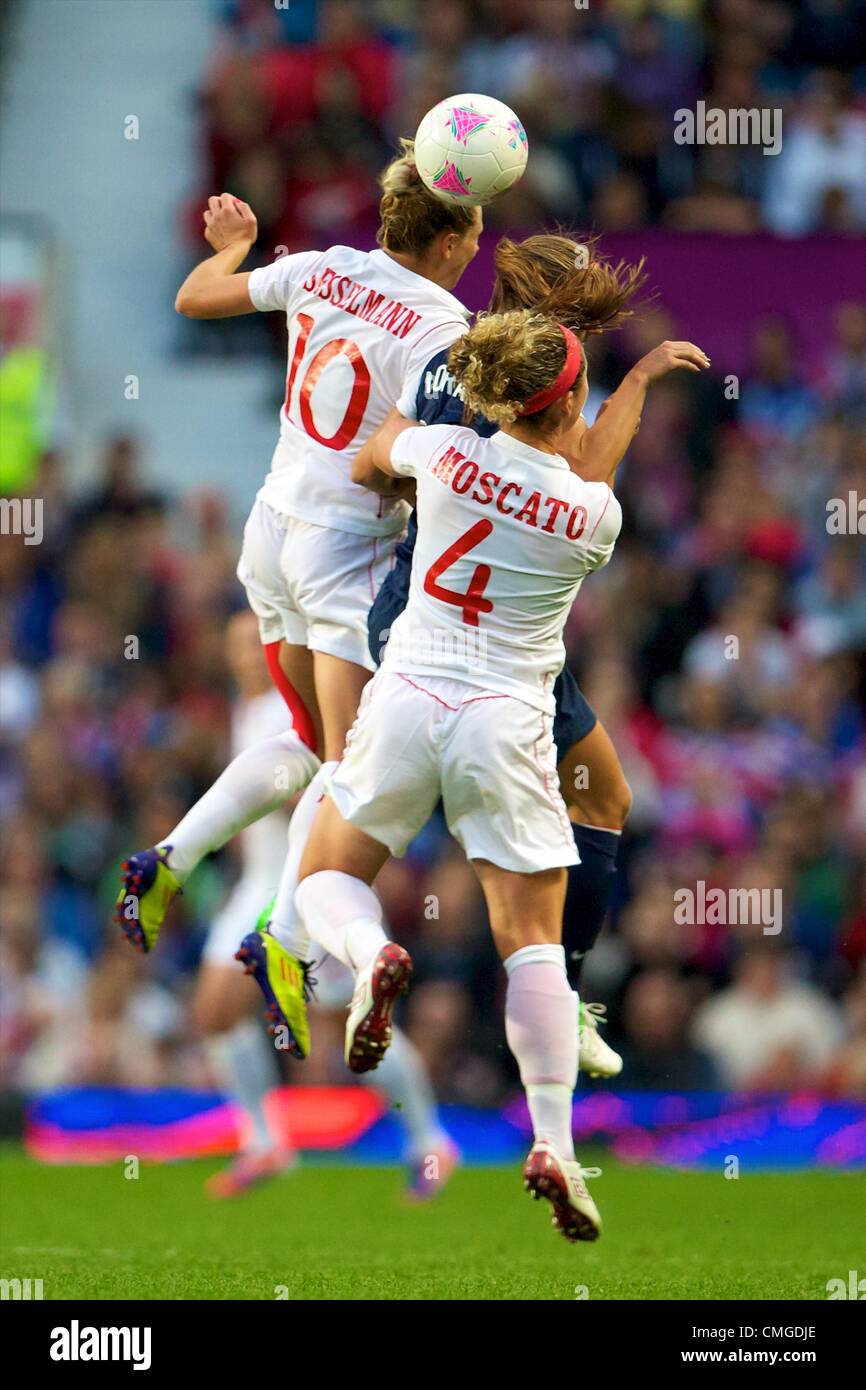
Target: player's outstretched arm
{"type": "Point", "coordinates": [595, 452]}
{"type": "Point", "coordinates": [212, 290]}
{"type": "Point", "coordinates": [371, 466]}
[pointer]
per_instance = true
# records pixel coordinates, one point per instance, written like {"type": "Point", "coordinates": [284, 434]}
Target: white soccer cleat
{"type": "Point", "coordinates": [377, 989]}
{"type": "Point", "coordinates": [595, 1058]}
{"type": "Point", "coordinates": [563, 1182]}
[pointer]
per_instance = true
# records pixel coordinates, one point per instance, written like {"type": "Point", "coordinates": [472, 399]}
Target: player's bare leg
{"type": "Point", "coordinates": [598, 798]}
{"type": "Point", "coordinates": [525, 912]}
{"type": "Point", "coordinates": [339, 687]}
{"type": "Point", "coordinates": [601, 797]}
{"type": "Point", "coordinates": [245, 1065]}
{"type": "Point", "coordinates": [341, 911]}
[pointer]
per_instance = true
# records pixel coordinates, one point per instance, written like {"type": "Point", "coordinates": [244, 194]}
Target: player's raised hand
{"type": "Point", "coordinates": [669, 356]}
{"type": "Point", "coordinates": [227, 220]}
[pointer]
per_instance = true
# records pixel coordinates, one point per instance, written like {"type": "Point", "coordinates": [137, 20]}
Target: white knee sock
{"type": "Point", "coordinates": [344, 915]}
{"type": "Point", "coordinates": [541, 1028]}
{"type": "Point", "coordinates": [403, 1077]}
{"type": "Point", "coordinates": [246, 1068]}
{"type": "Point", "coordinates": [287, 924]}
{"type": "Point", "coordinates": [256, 782]}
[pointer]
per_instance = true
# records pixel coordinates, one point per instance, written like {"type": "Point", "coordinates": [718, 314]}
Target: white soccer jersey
{"type": "Point", "coordinates": [506, 536]}
{"type": "Point", "coordinates": [361, 330]}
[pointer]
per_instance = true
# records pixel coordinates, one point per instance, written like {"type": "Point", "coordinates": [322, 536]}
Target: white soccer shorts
{"type": "Point", "coordinates": [490, 757]}
{"type": "Point", "coordinates": [311, 585]}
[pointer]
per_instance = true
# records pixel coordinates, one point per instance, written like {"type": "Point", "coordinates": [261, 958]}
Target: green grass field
{"type": "Point", "coordinates": [343, 1233]}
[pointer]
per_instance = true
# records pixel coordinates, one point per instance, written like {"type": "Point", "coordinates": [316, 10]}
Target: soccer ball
{"type": "Point", "coordinates": [470, 148]}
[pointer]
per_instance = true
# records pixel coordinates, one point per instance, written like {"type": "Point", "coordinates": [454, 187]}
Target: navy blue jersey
{"type": "Point", "coordinates": [439, 401]}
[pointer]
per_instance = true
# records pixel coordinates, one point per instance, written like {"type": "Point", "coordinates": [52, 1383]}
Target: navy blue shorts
{"type": "Point", "coordinates": [387, 607]}
{"type": "Point", "coordinates": [575, 717]}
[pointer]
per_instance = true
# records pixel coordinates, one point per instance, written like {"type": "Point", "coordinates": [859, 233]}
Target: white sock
{"type": "Point", "coordinates": [541, 1028]}
{"type": "Point", "coordinates": [256, 782]}
{"type": "Point", "coordinates": [403, 1077]}
{"type": "Point", "coordinates": [287, 924]}
{"type": "Point", "coordinates": [550, 1111]}
{"type": "Point", "coordinates": [245, 1066]}
{"type": "Point", "coordinates": [344, 914]}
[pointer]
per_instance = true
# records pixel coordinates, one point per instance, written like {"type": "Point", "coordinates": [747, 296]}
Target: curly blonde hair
{"type": "Point", "coordinates": [504, 359]}
{"type": "Point", "coordinates": [410, 216]}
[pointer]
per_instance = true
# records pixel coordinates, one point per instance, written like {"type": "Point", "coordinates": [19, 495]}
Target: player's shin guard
{"type": "Point", "coordinates": [256, 782]}
{"type": "Point", "coordinates": [541, 1028]}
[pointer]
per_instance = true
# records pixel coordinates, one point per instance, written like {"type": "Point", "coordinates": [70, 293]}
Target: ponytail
{"type": "Point", "coordinates": [565, 279]}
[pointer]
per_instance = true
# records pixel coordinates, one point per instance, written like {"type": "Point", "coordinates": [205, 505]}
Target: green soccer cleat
{"type": "Point", "coordinates": [265, 916]}
{"type": "Point", "coordinates": [285, 983]}
{"type": "Point", "coordinates": [148, 888]}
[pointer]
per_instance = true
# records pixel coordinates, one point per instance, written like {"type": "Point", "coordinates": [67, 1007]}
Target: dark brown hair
{"type": "Point", "coordinates": [558, 275]}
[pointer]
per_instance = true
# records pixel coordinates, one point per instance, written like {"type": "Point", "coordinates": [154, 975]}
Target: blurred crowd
{"type": "Point", "coordinates": [302, 106]}
{"type": "Point", "coordinates": [723, 648]}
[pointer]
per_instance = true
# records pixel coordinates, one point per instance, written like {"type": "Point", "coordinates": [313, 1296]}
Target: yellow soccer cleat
{"type": "Point", "coordinates": [286, 985]}
{"type": "Point", "coordinates": [148, 888]}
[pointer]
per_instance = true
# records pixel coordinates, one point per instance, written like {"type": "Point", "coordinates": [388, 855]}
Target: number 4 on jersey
{"type": "Point", "coordinates": [471, 602]}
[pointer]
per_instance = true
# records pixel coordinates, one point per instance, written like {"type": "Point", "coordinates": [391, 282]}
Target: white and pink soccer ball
{"type": "Point", "coordinates": [470, 148]}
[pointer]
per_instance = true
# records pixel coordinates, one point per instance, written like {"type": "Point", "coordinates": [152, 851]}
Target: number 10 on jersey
{"type": "Point", "coordinates": [360, 393]}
